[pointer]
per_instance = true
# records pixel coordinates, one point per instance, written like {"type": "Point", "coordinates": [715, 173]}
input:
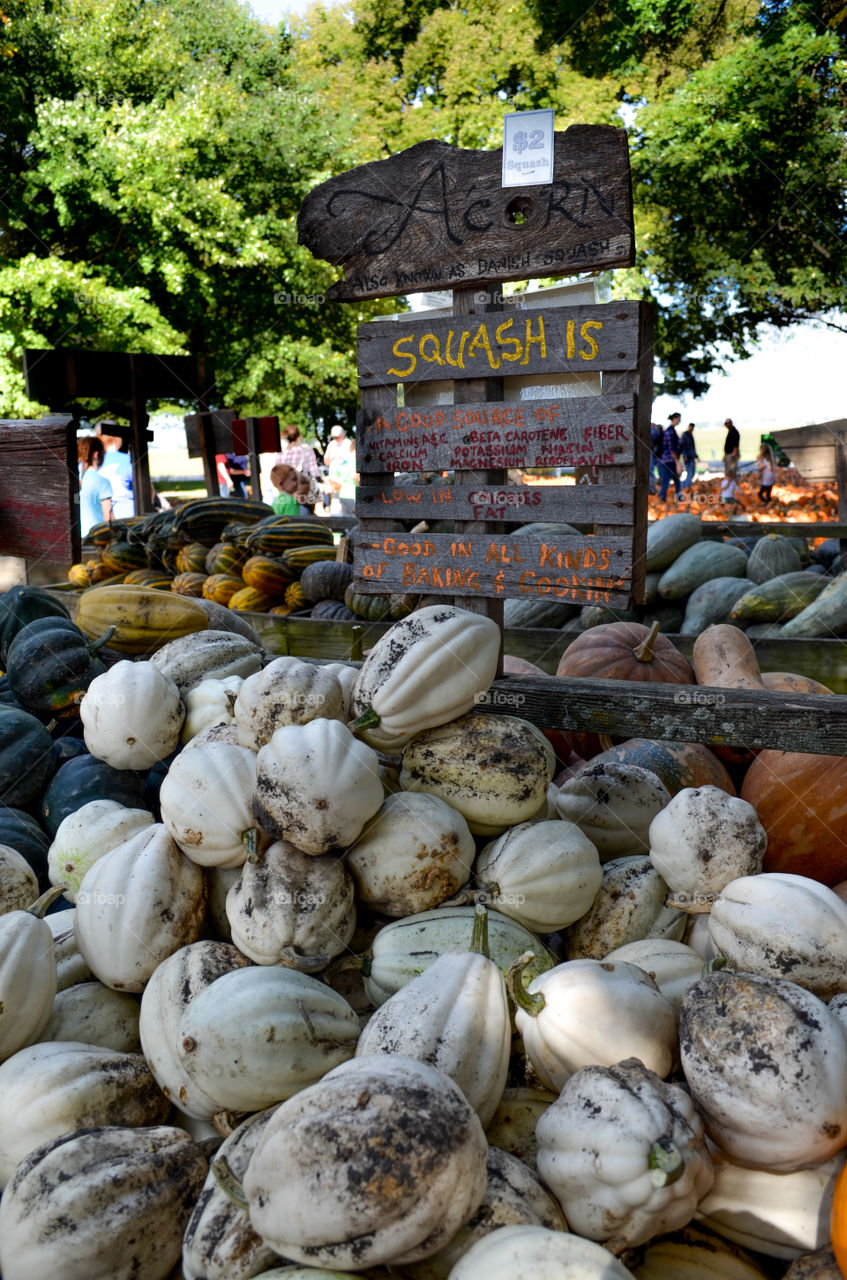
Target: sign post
{"type": "Point", "coordinates": [435, 217]}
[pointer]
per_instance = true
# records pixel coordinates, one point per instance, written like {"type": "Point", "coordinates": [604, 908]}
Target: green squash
{"type": "Point", "coordinates": [21, 605]}
{"type": "Point", "coordinates": [373, 608]}
{"type": "Point", "coordinates": [85, 778]}
{"type": "Point", "coordinates": [20, 831]}
{"type": "Point", "coordinates": [26, 757]}
{"type": "Point", "coordinates": [326, 580]}
{"type": "Point", "coordinates": [50, 665]}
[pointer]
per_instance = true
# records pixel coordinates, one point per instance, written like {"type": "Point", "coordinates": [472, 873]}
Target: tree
{"type": "Point", "coordinates": [157, 155]}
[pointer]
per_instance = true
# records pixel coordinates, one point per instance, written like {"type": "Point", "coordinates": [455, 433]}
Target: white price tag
{"type": "Point", "coordinates": [527, 148]}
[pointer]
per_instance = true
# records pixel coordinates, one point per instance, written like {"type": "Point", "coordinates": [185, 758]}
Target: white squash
{"type": "Point", "coordinates": [693, 1254]}
{"type": "Point", "coordinates": [136, 906]}
{"type": "Point", "coordinates": [494, 769]}
{"type": "Point", "coordinates": [413, 854]}
{"type": "Point", "coordinates": [428, 669]}
{"type": "Point", "coordinates": [629, 907]}
{"type": "Point", "coordinates": [219, 880]}
{"type": "Point", "coordinates": [346, 674]}
{"type": "Point", "coordinates": [703, 839]}
{"type": "Point", "coordinates": [403, 949]}
{"type": "Point", "coordinates": [513, 1195]}
{"type": "Point", "coordinates": [27, 977]}
{"type": "Point", "coordinates": [206, 800]}
{"type": "Point", "coordinates": [766, 1063]}
{"type": "Point", "coordinates": [105, 1204]}
{"type": "Point", "coordinates": [512, 1127]}
{"type": "Point", "coordinates": [286, 692]}
{"type": "Point", "coordinates": [256, 1036]}
{"type": "Point", "coordinates": [673, 966]}
{"type": "Point", "coordinates": [131, 715]}
{"type": "Point", "coordinates": [173, 986]}
{"type": "Point", "coordinates": [782, 1215]}
{"type": "Point", "coordinates": [544, 874]}
{"type": "Point", "coordinates": [783, 926]}
{"type": "Point", "coordinates": [590, 1012]}
{"type": "Point", "coordinates": [624, 1153]}
{"type": "Point", "coordinates": [86, 835]}
{"type": "Point", "coordinates": [533, 1251]}
{"type": "Point", "coordinates": [455, 1016]}
{"type": "Point", "coordinates": [383, 1160]}
{"type": "Point", "coordinates": [70, 966]}
{"type": "Point", "coordinates": [838, 1008]}
{"type": "Point", "coordinates": [55, 1088]}
{"type": "Point", "coordinates": [208, 704]}
{"type": "Point", "coordinates": [316, 786]}
{"type": "Point", "coordinates": [18, 882]}
{"type": "Point", "coordinates": [219, 1242]}
{"type": "Point", "coordinates": [698, 937]}
{"type": "Point", "coordinates": [292, 908]}
{"type": "Point", "coordinates": [91, 1013]}
{"type": "Point", "coordinates": [207, 655]}
{"type": "Point", "coordinates": [613, 804]}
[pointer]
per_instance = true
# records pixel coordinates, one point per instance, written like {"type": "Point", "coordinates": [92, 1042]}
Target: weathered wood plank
{"type": "Point", "coordinates": [518, 504]}
{"type": "Point", "coordinates": [548, 340]}
{"type": "Point", "coordinates": [586, 569]}
{"type": "Point", "coordinates": [815, 723]}
{"type": "Point", "coordinates": [435, 217]}
{"type": "Point", "coordinates": [39, 490]}
{"type": "Point", "coordinates": [590, 431]}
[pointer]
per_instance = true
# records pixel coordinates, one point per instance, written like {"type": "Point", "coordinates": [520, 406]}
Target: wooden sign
{"type": "Point", "coordinates": [590, 431]}
{"type": "Point", "coordinates": [39, 490]}
{"type": "Point", "coordinates": [597, 570]}
{"type": "Point", "coordinates": [588, 339]}
{"type": "Point", "coordinates": [813, 449]}
{"type": "Point", "coordinates": [436, 217]}
{"type": "Point", "coordinates": [519, 504]}
{"type": "Point", "coordinates": [218, 424]}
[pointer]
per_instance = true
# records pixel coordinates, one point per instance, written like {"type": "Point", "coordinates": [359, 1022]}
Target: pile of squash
{"type": "Point", "coordinates": [236, 553]}
{"type": "Point", "coordinates": [350, 976]}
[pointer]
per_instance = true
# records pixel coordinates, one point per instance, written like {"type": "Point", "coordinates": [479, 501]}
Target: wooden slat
{"type": "Point", "coordinates": [814, 723]}
{"type": "Point", "coordinates": [434, 217]}
{"type": "Point", "coordinates": [581, 339]}
{"type": "Point", "coordinates": [586, 569]}
{"type": "Point", "coordinates": [39, 490]}
{"type": "Point", "coordinates": [589, 431]}
{"type": "Point", "coordinates": [517, 504]}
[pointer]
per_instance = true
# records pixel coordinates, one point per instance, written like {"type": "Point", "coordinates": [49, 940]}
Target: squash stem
{"type": "Point", "coordinates": [250, 840]}
{"type": "Point", "coordinates": [356, 654]}
{"type": "Point", "coordinates": [713, 966]}
{"type": "Point", "coordinates": [665, 1162]}
{"type": "Point", "coordinates": [39, 907]}
{"type": "Point", "coordinates": [367, 720]}
{"type": "Point", "coordinates": [228, 1182]}
{"type": "Point", "coordinates": [479, 939]}
{"type": "Point", "coordinates": [531, 1004]}
{"type": "Point", "coordinates": [644, 652]}
{"type": "Point", "coordinates": [94, 645]}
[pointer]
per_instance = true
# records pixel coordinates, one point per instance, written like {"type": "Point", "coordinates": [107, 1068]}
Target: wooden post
{"type": "Point", "coordinates": [841, 482]}
{"type": "Point", "coordinates": [141, 485]}
{"type": "Point", "coordinates": [252, 425]}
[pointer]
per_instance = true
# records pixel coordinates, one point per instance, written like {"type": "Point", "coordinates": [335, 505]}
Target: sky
{"type": "Point", "coordinates": [795, 377]}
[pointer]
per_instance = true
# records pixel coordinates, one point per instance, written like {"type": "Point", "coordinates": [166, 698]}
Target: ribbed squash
{"type": "Point", "coordinates": [144, 619]}
{"type": "Point", "coordinates": [294, 596]}
{"type": "Point", "coordinates": [267, 575]}
{"type": "Point", "coordinates": [99, 572]}
{"type": "Point", "coordinates": [625, 651]}
{"type": "Point", "coordinates": [299, 557]}
{"type": "Point", "coordinates": [373, 608]}
{"type": "Point", "coordinates": [326, 581]}
{"type": "Point", "coordinates": [101, 534]}
{"type": "Point", "coordinates": [121, 557]}
{"type": "Point", "coordinates": [333, 611]}
{"type": "Point", "coordinates": [676, 764]}
{"type": "Point", "coordinates": [283, 534]}
{"type": "Point", "coordinates": [221, 587]}
{"type": "Point", "coordinates": [771, 557]}
{"type": "Point", "coordinates": [192, 558]}
{"type": "Point", "coordinates": [188, 584]}
{"type": "Point", "coordinates": [225, 557]}
{"type": "Point", "coordinates": [156, 579]}
{"type": "Point", "coordinates": [281, 610]}
{"type": "Point", "coordinates": [250, 600]}
{"type": "Point", "coordinates": [78, 575]}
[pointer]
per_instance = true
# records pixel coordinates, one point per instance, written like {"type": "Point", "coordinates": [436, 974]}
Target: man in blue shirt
{"type": "Point", "coordinates": [669, 466]}
{"type": "Point", "coordinates": [689, 455]}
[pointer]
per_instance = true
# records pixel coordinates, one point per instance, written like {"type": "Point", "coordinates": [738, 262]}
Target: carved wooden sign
{"type": "Point", "coordinates": [39, 490]}
{"type": "Point", "coordinates": [435, 217]}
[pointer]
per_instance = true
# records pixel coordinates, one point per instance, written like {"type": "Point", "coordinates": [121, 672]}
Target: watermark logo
{"type": "Point", "coordinates": [485, 297]}
{"type": "Point", "coordinates": [98, 899]}
{"type": "Point", "coordinates": [698, 698]}
{"type": "Point", "coordinates": [283, 298]}
{"type": "Point", "coordinates": [297, 898]}
{"type": "Point", "coordinates": [494, 898]}
{"type": "Point", "coordinates": [498, 698]}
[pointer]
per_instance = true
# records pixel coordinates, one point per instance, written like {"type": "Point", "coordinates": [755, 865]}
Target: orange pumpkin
{"type": "Point", "coordinates": [625, 651]}
{"type": "Point", "coordinates": [838, 1220]}
{"type": "Point", "coordinates": [801, 801]}
{"type": "Point", "coordinates": [565, 743]}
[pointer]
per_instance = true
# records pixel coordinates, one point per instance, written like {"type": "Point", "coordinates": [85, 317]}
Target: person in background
{"type": "Point", "coordinates": [731, 449]}
{"type": "Point", "coordinates": [285, 479]}
{"type": "Point", "coordinates": [307, 493]}
{"type": "Point", "coordinates": [656, 434]}
{"type": "Point", "coordinates": [341, 472]}
{"type": "Point", "coordinates": [224, 478]}
{"type": "Point", "coordinates": [117, 468]}
{"type": "Point", "coordinates": [766, 474]}
{"type": "Point", "coordinates": [95, 491]}
{"type": "Point", "coordinates": [338, 445]}
{"type": "Point", "coordinates": [239, 474]}
{"type": "Point", "coordinates": [688, 452]}
{"type": "Point", "coordinates": [730, 496]}
{"type": "Point", "coordinates": [669, 466]}
{"type": "Point", "coordinates": [297, 454]}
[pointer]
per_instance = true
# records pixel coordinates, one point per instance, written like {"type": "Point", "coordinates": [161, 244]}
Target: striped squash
{"type": "Point", "coordinates": [192, 558]}
{"type": "Point", "coordinates": [221, 587]}
{"type": "Point", "coordinates": [267, 575]}
{"type": "Point", "coordinates": [373, 608]}
{"type": "Point", "coordinates": [122, 557]}
{"type": "Point", "coordinates": [274, 539]}
{"type": "Point", "coordinates": [78, 575]}
{"type": "Point", "coordinates": [294, 596]}
{"type": "Point", "coordinates": [225, 557]}
{"type": "Point", "coordinates": [188, 584]}
{"type": "Point", "coordinates": [299, 557]}
{"type": "Point", "coordinates": [249, 600]}
{"type": "Point", "coordinates": [156, 578]}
